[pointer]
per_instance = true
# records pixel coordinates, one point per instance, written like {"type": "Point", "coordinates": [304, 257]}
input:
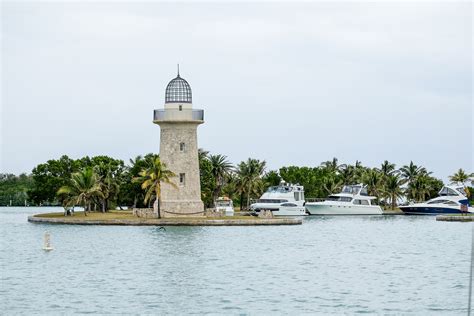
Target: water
{"type": "Point", "coordinates": [333, 265]}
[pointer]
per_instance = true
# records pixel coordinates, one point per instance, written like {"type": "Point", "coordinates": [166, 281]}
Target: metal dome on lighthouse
{"type": "Point", "coordinates": [178, 91]}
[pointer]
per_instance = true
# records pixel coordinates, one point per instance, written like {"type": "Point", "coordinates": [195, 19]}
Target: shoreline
{"type": "Point", "coordinates": [175, 221]}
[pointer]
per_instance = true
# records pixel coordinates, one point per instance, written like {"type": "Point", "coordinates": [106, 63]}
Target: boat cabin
{"type": "Point", "coordinates": [360, 200]}
{"type": "Point", "coordinates": [285, 192]}
{"type": "Point", "coordinates": [354, 194]}
{"type": "Point", "coordinates": [276, 195]}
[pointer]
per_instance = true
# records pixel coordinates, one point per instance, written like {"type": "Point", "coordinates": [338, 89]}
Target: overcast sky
{"type": "Point", "coordinates": [290, 83]}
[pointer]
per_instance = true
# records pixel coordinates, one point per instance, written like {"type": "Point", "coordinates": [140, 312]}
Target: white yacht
{"type": "Point", "coordinates": [224, 204]}
{"type": "Point", "coordinates": [353, 200]}
{"type": "Point", "coordinates": [284, 200]}
{"type": "Point", "coordinates": [451, 200]}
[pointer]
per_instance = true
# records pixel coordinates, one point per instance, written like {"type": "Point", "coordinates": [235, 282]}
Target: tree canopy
{"type": "Point", "coordinates": [242, 182]}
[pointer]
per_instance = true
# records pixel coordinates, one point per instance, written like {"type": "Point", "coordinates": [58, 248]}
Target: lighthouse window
{"type": "Point", "coordinates": [180, 107]}
{"type": "Point", "coordinates": [182, 147]}
{"type": "Point", "coordinates": [181, 179]}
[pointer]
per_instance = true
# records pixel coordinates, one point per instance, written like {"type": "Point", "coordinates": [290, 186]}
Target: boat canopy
{"type": "Point", "coordinates": [452, 191]}
{"type": "Point", "coordinates": [355, 189]}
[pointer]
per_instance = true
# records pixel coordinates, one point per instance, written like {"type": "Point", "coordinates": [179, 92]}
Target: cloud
{"type": "Point", "coordinates": [290, 83]}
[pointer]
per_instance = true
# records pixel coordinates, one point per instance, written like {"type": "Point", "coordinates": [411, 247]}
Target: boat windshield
{"type": "Point", "coordinates": [451, 203]}
{"type": "Point", "coordinates": [438, 201]}
{"type": "Point", "coordinates": [223, 203]}
{"type": "Point", "coordinates": [339, 198]}
{"type": "Point", "coordinates": [462, 190]}
{"type": "Point", "coordinates": [271, 201]}
{"type": "Point", "coordinates": [360, 202]}
{"type": "Point", "coordinates": [352, 189]}
{"type": "Point", "coordinates": [446, 191]}
{"type": "Point", "coordinates": [279, 189]}
{"type": "Point", "coordinates": [435, 201]}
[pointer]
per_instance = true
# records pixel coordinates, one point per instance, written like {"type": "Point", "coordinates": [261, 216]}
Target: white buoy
{"type": "Point", "coordinates": [47, 242]}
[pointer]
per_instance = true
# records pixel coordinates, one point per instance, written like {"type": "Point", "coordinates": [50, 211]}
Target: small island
{"type": "Point", "coordinates": [127, 218]}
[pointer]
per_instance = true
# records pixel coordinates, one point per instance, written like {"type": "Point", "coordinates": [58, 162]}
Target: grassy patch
{"type": "Point", "coordinates": [91, 215]}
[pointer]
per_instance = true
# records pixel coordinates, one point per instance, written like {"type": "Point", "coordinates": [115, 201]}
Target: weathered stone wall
{"type": "Point", "coordinates": [144, 212]}
{"type": "Point", "coordinates": [184, 199]}
{"type": "Point", "coordinates": [212, 212]}
{"type": "Point", "coordinates": [251, 221]}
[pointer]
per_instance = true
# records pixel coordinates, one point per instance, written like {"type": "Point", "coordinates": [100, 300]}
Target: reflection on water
{"type": "Point", "coordinates": [366, 264]}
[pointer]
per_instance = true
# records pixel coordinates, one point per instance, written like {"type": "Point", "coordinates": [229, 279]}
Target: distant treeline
{"type": "Point", "coordinates": [242, 183]}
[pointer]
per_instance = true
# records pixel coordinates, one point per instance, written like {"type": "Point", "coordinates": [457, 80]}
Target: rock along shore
{"type": "Point", "coordinates": [168, 221]}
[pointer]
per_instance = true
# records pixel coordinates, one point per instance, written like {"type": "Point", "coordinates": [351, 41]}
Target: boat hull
{"type": "Point", "coordinates": [325, 209]}
{"type": "Point", "coordinates": [435, 210]}
{"type": "Point", "coordinates": [290, 211]}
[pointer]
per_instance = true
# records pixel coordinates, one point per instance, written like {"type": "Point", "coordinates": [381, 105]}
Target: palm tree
{"type": "Point", "coordinates": [359, 171]}
{"type": "Point", "coordinates": [347, 173]}
{"type": "Point", "coordinates": [387, 168]}
{"type": "Point", "coordinates": [202, 154]}
{"type": "Point", "coordinates": [419, 188]}
{"type": "Point", "coordinates": [331, 185]}
{"type": "Point", "coordinates": [393, 190]}
{"type": "Point", "coordinates": [411, 171]}
{"type": "Point", "coordinates": [249, 181]}
{"type": "Point", "coordinates": [151, 178]}
{"type": "Point", "coordinates": [230, 187]}
{"type": "Point", "coordinates": [81, 189]}
{"type": "Point", "coordinates": [220, 168]}
{"type": "Point", "coordinates": [133, 188]}
{"type": "Point", "coordinates": [459, 177]}
{"type": "Point", "coordinates": [374, 181]}
{"type": "Point", "coordinates": [109, 188]}
{"type": "Point", "coordinates": [332, 165]}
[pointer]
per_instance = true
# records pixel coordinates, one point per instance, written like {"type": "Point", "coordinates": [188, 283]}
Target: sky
{"type": "Point", "coordinates": [290, 83]}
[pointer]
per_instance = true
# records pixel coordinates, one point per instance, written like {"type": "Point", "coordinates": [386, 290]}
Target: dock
{"type": "Point", "coordinates": [456, 218]}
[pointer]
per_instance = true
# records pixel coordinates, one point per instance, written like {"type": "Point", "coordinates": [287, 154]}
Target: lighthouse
{"type": "Point", "coordinates": [178, 123]}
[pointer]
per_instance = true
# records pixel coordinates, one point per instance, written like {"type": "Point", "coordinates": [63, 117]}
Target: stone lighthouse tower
{"type": "Point", "coordinates": [179, 150]}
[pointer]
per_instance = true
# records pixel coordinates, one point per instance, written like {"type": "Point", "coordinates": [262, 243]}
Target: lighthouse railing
{"type": "Point", "coordinates": [179, 115]}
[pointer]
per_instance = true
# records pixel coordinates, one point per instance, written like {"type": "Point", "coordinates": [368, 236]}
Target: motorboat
{"type": "Point", "coordinates": [225, 205]}
{"type": "Point", "coordinates": [285, 199]}
{"type": "Point", "coordinates": [451, 200]}
{"type": "Point", "coordinates": [352, 200]}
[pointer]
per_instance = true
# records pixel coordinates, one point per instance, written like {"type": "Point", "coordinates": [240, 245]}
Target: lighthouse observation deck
{"type": "Point", "coordinates": [176, 115]}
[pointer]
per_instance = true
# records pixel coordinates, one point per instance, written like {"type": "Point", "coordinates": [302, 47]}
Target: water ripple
{"type": "Point", "coordinates": [332, 265]}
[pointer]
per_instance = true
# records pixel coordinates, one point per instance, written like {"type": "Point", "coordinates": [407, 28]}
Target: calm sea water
{"type": "Point", "coordinates": [332, 265]}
